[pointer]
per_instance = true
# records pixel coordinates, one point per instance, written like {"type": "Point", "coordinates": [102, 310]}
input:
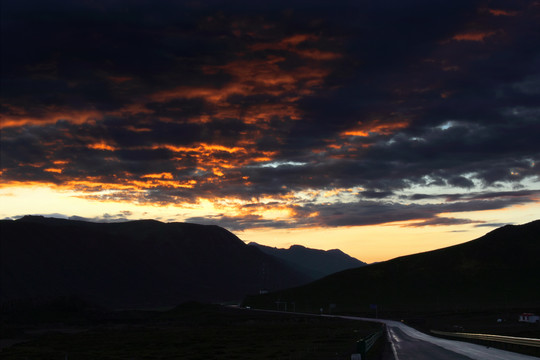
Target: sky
{"type": "Point", "coordinates": [382, 128]}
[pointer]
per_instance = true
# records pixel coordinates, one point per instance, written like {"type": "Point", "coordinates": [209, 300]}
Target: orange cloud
{"type": "Point", "coordinates": [355, 133]}
{"type": "Point", "coordinates": [18, 116]}
{"type": "Point", "coordinates": [119, 79]}
{"type": "Point", "coordinates": [53, 170]}
{"type": "Point", "coordinates": [375, 127]}
{"type": "Point", "coordinates": [279, 87]}
{"type": "Point", "coordinates": [201, 148]}
{"type": "Point", "coordinates": [266, 112]}
{"type": "Point", "coordinates": [250, 77]}
{"type": "Point", "coordinates": [165, 176]}
{"type": "Point", "coordinates": [316, 54]}
{"type": "Point", "coordinates": [499, 12]}
{"type": "Point", "coordinates": [253, 77]}
{"type": "Point", "coordinates": [60, 162]}
{"type": "Point", "coordinates": [267, 77]}
{"type": "Point", "coordinates": [290, 44]}
{"type": "Point", "coordinates": [95, 184]}
{"type": "Point", "coordinates": [299, 38]}
{"type": "Point", "coordinates": [346, 146]}
{"type": "Point", "coordinates": [155, 183]}
{"type": "Point", "coordinates": [212, 95]}
{"type": "Point", "coordinates": [473, 36]}
{"type": "Point", "coordinates": [102, 146]}
{"type": "Point", "coordinates": [132, 109]}
{"type": "Point", "coordinates": [210, 159]}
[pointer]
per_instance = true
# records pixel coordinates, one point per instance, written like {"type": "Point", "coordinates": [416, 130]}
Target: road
{"type": "Point", "coordinates": [408, 343]}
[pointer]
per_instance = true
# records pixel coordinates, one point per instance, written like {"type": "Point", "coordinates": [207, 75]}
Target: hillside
{"type": "Point", "coordinates": [499, 270]}
{"type": "Point", "coordinates": [312, 262]}
{"type": "Point", "coordinates": [132, 264]}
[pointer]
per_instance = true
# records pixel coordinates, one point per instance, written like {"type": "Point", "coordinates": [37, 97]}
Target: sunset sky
{"type": "Point", "coordinates": [382, 128]}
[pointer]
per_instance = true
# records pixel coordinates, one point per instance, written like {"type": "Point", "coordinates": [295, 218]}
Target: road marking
{"type": "Point", "coordinates": [391, 338]}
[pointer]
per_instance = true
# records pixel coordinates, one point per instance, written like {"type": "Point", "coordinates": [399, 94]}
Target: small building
{"type": "Point", "coordinates": [529, 318]}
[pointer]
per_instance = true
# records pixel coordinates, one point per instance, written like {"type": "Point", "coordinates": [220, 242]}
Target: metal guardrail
{"type": "Point", "coordinates": [497, 338]}
{"type": "Point", "coordinates": [365, 344]}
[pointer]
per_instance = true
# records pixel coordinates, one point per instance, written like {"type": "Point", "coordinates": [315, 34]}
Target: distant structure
{"type": "Point", "coordinates": [529, 318]}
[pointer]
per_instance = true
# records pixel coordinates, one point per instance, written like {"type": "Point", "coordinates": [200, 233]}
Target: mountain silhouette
{"type": "Point", "coordinates": [312, 262]}
{"type": "Point", "coordinates": [133, 264]}
{"type": "Point", "coordinates": [498, 270]}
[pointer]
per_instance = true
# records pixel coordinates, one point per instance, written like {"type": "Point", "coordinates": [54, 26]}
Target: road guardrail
{"type": "Point", "coordinates": [527, 346]}
{"type": "Point", "coordinates": [365, 344]}
{"type": "Point", "coordinates": [496, 338]}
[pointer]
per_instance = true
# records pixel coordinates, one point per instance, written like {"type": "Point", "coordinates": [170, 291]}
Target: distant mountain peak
{"type": "Point", "coordinates": [32, 218]}
{"type": "Point", "coordinates": [313, 262]}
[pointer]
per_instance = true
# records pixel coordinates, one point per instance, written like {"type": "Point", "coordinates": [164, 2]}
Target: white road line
{"type": "Point", "coordinates": [391, 338]}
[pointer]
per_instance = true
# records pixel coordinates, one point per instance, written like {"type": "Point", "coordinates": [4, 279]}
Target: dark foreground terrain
{"type": "Point", "coordinates": [190, 331]}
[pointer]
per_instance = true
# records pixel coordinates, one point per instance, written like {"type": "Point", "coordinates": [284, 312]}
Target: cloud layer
{"type": "Point", "coordinates": [353, 114]}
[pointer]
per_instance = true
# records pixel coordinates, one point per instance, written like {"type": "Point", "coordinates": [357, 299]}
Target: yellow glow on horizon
{"type": "Point", "coordinates": [382, 242]}
{"type": "Point", "coordinates": [367, 243]}
{"type": "Point", "coordinates": [42, 200]}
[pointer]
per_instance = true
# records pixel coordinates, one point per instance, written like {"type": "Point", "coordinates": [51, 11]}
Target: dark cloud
{"type": "Point", "coordinates": [241, 223]}
{"type": "Point", "coordinates": [492, 225]}
{"type": "Point", "coordinates": [444, 221]}
{"type": "Point", "coordinates": [483, 195]}
{"type": "Point", "coordinates": [367, 212]}
{"type": "Point", "coordinates": [376, 194]}
{"type": "Point", "coordinates": [172, 101]}
{"type": "Point", "coordinates": [372, 213]}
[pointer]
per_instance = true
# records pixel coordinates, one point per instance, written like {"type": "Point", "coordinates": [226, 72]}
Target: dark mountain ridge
{"type": "Point", "coordinates": [498, 270]}
{"type": "Point", "coordinates": [313, 262]}
{"type": "Point", "coordinates": [142, 263]}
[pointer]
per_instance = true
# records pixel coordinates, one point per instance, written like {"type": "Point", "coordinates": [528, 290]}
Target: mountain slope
{"type": "Point", "coordinates": [313, 262]}
{"type": "Point", "coordinates": [132, 264]}
{"type": "Point", "coordinates": [500, 269]}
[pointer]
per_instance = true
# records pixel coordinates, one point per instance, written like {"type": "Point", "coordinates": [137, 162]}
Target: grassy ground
{"type": "Point", "coordinates": [189, 332]}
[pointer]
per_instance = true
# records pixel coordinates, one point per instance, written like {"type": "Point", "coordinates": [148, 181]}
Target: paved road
{"type": "Point", "coordinates": [407, 347]}
{"type": "Point", "coordinates": [408, 343]}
